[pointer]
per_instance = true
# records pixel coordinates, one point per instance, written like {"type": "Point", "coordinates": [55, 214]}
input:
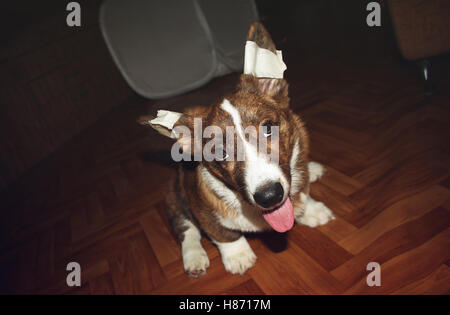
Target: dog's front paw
{"type": "Point", "coordinates": [239, 263]}
{"type": "Point", "coordinates": [195, 263]}
{"type": "Point", "coordinates": [315, 214]}
{"type": "Point", "coordinates": [237, 256]}
{"type": "Point", "coordinates": [316, 171]}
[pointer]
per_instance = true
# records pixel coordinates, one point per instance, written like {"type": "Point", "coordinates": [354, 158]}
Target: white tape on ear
{"type": "Point", "coordinates": [164, 123]}
{"type": "Point", "coordinates": [263, 63]}
{"type": "Point", "coordinates": [166, 118]}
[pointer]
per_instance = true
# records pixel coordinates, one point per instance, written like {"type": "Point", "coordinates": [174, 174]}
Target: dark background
{"type": "Point", "coordinates": [77, 172]}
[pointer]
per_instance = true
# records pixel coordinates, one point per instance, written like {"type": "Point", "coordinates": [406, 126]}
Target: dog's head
{"type": "Point", "coordinates": [259, 148]}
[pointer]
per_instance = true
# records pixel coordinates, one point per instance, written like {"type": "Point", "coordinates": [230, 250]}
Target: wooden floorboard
{"type": "Point", "coordinates": [99, 200]}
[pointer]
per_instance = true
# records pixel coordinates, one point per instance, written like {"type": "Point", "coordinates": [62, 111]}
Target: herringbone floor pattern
{"type": "Point", "coordinates": [99, 200]}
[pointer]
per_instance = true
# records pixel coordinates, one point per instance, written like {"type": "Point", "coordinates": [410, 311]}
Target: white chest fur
{"type": "Point", "coordinates": [246, 218]}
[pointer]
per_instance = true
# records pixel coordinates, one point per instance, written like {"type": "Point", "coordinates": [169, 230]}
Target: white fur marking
{"type": "Point", "coordinates": [195, 259]}
{"type": "Point", "coordinates": [296, 174]}
{"type": "Point", "coordinates": [257, 168]}
{"type": "Point", "coordinates": [237, 256]}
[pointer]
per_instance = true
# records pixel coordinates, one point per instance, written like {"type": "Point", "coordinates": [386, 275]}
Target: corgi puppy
{"type": "Point", "coordinates": [228, 196]}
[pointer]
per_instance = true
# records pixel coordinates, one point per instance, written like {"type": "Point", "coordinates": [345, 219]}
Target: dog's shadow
{"type": "Point", "coordinates": [275, 242]}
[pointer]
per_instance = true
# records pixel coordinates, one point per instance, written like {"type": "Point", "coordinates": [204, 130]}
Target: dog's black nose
{"type": "Point", "coordinates": [269, 194]}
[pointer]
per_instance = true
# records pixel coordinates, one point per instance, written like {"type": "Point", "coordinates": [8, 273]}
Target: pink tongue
{"type": "Point", "coordinates": [282, 218]}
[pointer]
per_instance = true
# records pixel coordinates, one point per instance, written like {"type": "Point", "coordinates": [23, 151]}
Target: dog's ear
{"type": "Point", "coordinates": [257, 33]}
{"type": "Point", "coordinates": [163, 123]}
{"type": "Point", "coordinates": [263, 66]}
{"type": "Point", "coordinates": [275, 88]}
{"type": "Point", "coordinates": [268, 86]}
{"type": "Point", "coordinates": [184, 127]}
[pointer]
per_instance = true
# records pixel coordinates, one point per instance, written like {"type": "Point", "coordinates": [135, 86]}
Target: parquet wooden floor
{"type": "Point", "coordinates": [98, 200]}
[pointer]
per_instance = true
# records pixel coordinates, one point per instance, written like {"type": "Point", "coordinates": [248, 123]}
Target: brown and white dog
{"type": "Point", "coordinates": [225, 198]}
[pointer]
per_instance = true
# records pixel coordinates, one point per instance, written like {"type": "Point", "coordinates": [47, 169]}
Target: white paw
{"type": "Point", "coordinates": [240, 262]}
{"type": "Point", "coordinates": [195, 262]}
{"type": "Point", "coordinates": [195, 259]}
{"type": "Point", "coordinates": [237, 257]}
{"type": "Point", "coordinates": [316, 171]}
{"type": "Point", "coordinates": [315, 214]}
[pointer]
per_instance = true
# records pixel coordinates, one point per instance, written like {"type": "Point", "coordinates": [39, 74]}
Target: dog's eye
{"type": "Point", "coordinates": [267, 128]}
{"type": "Point", "coordinates": [221, 155]}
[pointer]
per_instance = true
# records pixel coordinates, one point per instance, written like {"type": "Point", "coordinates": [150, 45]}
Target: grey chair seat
{"type": "Point", "coordinates": [165, 48]}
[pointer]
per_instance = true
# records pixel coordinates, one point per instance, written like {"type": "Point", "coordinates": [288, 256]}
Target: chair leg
{"type": "Point", "coordinates": [427, 83]}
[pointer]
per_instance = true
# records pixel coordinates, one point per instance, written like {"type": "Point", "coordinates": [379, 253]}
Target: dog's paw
{"type": "Point", "coordinates": [195, 263]}
{"type": "Point", "coordinates": [239, 263]}
{"type": "Point", "coordinates": [315, 214]}
{"type": "Point", "coordinates": [237, 256]}
{"type": "Point", "coordinates": [316, 171]}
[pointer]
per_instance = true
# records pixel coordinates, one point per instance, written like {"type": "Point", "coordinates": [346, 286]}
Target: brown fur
{"type": "Point", "coordinates": [258, 34]}
{"type": "Point", "coordinates": [194, 199]}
